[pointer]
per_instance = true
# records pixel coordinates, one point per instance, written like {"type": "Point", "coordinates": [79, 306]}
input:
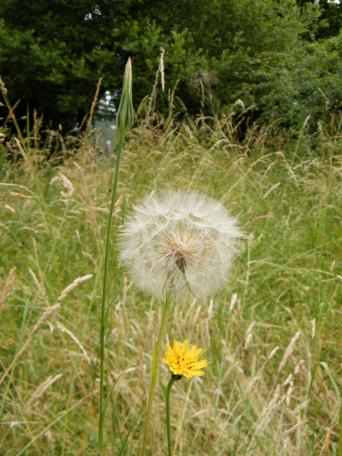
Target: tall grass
{"type": "Point", "coordinates": [273, 336]}
{"type": "Point", "coordinates": [125, 119]}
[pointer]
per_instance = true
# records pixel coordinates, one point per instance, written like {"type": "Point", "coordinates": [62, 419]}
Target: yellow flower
{"type": "Point", "coordinates": [184, 359]}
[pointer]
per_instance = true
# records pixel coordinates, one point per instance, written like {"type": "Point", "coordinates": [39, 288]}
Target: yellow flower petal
{"type": "Point", "coordinates": [184, 359]}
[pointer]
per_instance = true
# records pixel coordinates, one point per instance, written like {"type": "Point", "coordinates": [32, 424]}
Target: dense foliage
{"type": "Point", "coordinates": [281, 60]}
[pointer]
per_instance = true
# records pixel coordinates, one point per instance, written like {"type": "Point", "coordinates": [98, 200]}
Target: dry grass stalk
{"type": "Point", "coordinates": [66, 183]}
{"type": "Point", "coordinates": [289, 350]}
{"type": "Point", "coordinates": [93, 105]}
{"type": "Point", "coordinates": [73, 285]}
{"type": "Point", "coordinates": [7, 286]}
{"type": "Point", "coordinates": [72, 336]}
{"type": "Point", "coordinates": [40, 390]}
{"type": "Point", "coordinates": [46, 315]}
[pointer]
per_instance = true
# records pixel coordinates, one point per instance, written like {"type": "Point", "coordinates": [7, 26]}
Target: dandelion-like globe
{"type": "Point", "coordinates": [179, 243]}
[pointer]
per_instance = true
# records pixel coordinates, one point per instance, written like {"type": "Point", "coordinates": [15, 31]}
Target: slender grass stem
{"type": "Point", "coordinates": [154, 374]}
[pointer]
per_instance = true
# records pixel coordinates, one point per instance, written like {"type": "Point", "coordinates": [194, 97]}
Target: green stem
{"type": "Point", "coordinates": [339, 450]}
{"type": "Point", "coordinates": [168, 424]}
{"type": "Point", "coordinates": [115, 176]}
{"type": "Point", "coordinates": [154, 374]}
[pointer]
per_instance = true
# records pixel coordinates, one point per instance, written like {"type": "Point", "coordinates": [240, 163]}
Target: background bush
{"type": "Point", "coordinates": [282, 59]}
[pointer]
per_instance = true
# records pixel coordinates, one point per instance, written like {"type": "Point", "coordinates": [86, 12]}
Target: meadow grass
{"type": "Point", "coordinates": [272, 337]}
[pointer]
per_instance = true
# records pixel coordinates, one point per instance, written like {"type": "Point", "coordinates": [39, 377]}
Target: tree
{"type": "Point", "coordinates": [330, 16]}
{"type": "Point", "coordinates": [53, 52]}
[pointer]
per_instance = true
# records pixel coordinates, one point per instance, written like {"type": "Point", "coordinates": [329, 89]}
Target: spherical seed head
{"type": "Point", "coordinates": [179, 243]}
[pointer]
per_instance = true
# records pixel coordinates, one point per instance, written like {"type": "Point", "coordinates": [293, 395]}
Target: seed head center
{"type": "Point", "coordinates": [180, 248]}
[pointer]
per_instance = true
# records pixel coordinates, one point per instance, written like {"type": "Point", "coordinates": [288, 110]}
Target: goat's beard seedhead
{"type": "Point", "coordinates": [179, 243]}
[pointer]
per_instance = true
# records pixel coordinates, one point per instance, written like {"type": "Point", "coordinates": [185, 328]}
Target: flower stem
{"type": "Point", "coordinates": [124, 120]}
{"type": "Point", "coordinates": [339, 449]}
{"type": "Point", "coordinates": [104, 294]}
{"type": "Point", "coordinates": [167, 401]}
{"type": "Point", "coordinates": [154, 374]}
